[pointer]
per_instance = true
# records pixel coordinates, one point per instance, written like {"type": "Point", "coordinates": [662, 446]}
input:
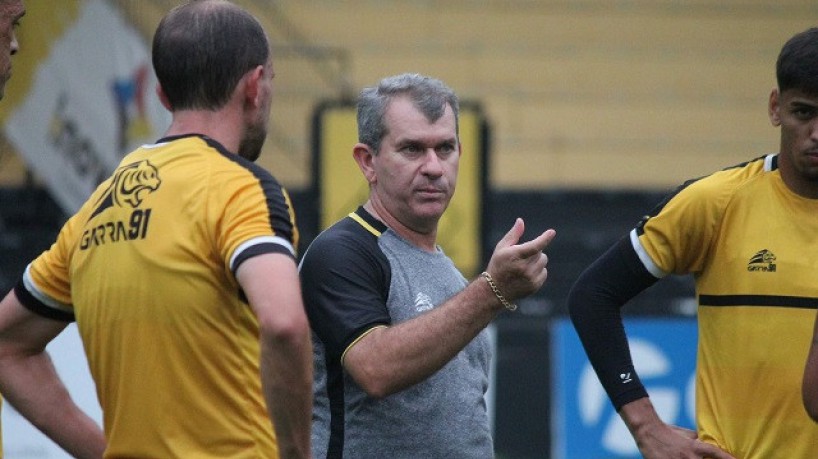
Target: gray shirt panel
{"type": "Point", "coordinates": [444, 416]}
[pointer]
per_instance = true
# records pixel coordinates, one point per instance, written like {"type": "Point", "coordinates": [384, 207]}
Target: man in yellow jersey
{"type": "Point", "coordinates": [180, 273]}
{"type": "Point", "coordinates": [748, 235]}
{"type": "Point", "coordinates": [11, 11]}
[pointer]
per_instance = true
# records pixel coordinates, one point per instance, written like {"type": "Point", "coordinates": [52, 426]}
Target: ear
{"type": "Point", "coordinates": [774, 108]}
{"type": "Point", "coordinates": [364, 156]}
{"type": "Point", "coordinates": [163, 98]}
{"type": "Point", "coordinates": [252, 85]}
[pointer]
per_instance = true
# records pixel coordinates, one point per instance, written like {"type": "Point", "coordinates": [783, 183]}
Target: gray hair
{"type": "Point", "coordinates": [429, 95]}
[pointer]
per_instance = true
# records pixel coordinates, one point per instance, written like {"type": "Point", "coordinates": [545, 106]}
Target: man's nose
{"type": "Point", "coordinates": [432, 164]}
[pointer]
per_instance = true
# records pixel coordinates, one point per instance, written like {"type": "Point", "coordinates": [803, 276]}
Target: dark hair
{"type": "Point", "coordinates": [429, 95]}
{"type": "Point", "coordinates": [797, 66]}
{"type": "Point", "coordinates": [202, 48]}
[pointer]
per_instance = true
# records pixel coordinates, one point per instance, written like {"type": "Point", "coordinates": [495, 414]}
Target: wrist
{"type": "Point", "coordinates": [496, 290]}
{"type": "Point", "coordinates": [639, 416]}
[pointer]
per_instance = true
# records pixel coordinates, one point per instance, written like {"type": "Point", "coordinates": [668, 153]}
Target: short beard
{"type": "Point", "coordinates": [251, 142]}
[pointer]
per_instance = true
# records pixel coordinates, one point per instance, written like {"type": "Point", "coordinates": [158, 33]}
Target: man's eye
{"type": "Point", "coordinates": [445, 150]}
{"type": "Point", "coordinates": [804, 113]}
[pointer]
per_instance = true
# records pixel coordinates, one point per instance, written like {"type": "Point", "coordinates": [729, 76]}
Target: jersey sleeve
{"type": "Point", "coordinates": [253, 216]}
{"type": "Point", "coordinates": [45, 285]}
{"type": "Point", "coordinates": [676, 236]}
{"type": "Point", "coordinates": [345, 286]}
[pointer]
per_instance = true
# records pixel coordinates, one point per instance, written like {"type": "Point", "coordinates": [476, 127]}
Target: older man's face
{"type": "Point", "coordinates": [11, 11]}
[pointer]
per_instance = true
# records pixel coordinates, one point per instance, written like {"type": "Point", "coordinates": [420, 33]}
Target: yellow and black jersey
{"type": "Point", "coordinates": [751, 245]}
{"type": "Point", "coordinates": [147, 268]}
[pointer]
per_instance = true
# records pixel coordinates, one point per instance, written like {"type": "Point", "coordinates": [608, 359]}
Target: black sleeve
{"type": "Point", "coordinates": [595, 303]}
{"type": "Point", "coordinates": [345, 284]}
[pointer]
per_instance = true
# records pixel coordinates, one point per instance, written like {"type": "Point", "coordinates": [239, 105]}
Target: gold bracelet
{"type": "Point", "coordinates": [493, 287]}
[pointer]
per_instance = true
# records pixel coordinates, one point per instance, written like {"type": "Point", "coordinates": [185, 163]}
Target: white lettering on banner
{"type": "Point", "coordinates": [92, 101]}
{"type": "Point", "coordinates": [77, 150]}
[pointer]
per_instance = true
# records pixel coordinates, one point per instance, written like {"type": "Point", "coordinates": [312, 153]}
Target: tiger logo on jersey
{"type": "Point", "coordinates": [763, 260]}
{"type": "Point", "coordinates": [129, 186]}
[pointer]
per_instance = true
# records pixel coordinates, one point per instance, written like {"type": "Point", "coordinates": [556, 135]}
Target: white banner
{"type": "Point", "coordinates": [92, 100]}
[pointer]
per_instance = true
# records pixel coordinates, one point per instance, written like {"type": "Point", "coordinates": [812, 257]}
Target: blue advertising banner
{"type": "Point", "coordinates": [584, 423]}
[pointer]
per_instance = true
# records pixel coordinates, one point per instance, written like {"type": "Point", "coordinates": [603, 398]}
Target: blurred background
{"type": "Point", "coordinates": [579, 115]}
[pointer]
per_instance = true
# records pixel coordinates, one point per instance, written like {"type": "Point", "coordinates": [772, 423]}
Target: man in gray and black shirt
{"type": "Point", "coordinates": [401, 353]}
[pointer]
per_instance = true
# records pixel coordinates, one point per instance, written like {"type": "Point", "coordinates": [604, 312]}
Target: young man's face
{"type": "Point", "coordinates": [797, 115]}
{"type": "Point", "coordinates": [10, 13]}
{"type": "Point", "coordinates": [416, 166]}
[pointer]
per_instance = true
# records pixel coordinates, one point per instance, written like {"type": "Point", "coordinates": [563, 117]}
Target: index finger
{"type": "Point", "coordinates": [536, 245]}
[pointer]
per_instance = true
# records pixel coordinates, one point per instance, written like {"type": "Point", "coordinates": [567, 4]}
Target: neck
{"type": "Point", "coordinates": [795, 180]}
{"type": "Point", "coordinates": [423, 240]}
{"type": "Point", "coordinates": [218, 125]}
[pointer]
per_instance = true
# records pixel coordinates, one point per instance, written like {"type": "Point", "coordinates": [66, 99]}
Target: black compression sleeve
{"type": "Point", "coordinates": [595, 303]}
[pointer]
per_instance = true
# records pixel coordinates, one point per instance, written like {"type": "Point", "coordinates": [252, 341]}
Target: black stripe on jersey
{"type": "Point", "coordinates": [780, 301]}
{"type": "Point", "coordinates": [259, 249]}
{"type": "Point", "coordinates": [277, 204]}
{"type": "Point", "coordinates": [36, 306]}
{"type": "Point", "coordinates": [640, 227]}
